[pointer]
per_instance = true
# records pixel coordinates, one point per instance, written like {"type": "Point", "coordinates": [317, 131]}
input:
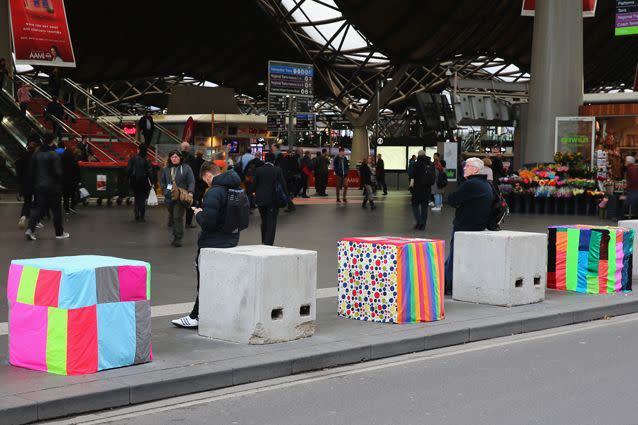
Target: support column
{"type": "Point", "coordinates": [5, 42]}
{"type": "Point", "coordinates": [556, 86]}
{"type": "Point", "coordinates": [360, 145]}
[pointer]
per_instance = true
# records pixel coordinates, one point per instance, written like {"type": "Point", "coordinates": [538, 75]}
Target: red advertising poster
{"type": "Point", "coordinates": [589, 8]}
{"type": "Point", "coordinates": [41, 33]}
{"type": "Point", "coordinates": [187, 136]}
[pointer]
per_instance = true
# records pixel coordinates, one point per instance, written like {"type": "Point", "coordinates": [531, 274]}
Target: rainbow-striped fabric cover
{"type": "Point", "coordinates": [78, 315]}
{"type": "Point", "coordinates": [589, 259]}
{"type": "Point", "coordinates": [391, 280]}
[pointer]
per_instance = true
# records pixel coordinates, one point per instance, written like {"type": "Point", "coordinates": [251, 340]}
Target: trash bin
{"type": "Point", "coordinates": [103, 180]}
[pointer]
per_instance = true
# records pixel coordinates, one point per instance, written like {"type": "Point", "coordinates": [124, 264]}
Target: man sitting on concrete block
{"type": "Point", "coordinates": [211, 220]}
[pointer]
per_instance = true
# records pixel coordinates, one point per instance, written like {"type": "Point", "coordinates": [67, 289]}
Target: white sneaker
{"type": "Point", "coordinates": [64, 235]}
{"type": "Point", "coordinates": [39, 225]}
{"type": "Point", "coordinates": [30, 235]}
{"type": "Point", "coordinates": [436, 209]}
{"type": "Point", "coordinates": [185, 322]}
{"type": "Point", "coordinates": [23, 222]}
{"type": "Point", "coordinates": [431, 204]}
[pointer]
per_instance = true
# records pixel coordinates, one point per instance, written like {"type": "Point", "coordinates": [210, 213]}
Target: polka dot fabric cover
{"type": "Point", "coordinates": [391, 280]}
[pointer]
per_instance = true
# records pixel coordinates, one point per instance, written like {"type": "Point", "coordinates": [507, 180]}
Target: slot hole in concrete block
{"type": "Point", "coordinates": [518, 283]}
{"type": "Point", "coordinates": [277, 314]}
{"type": "Point", "coordinates": [304, 310]}
{"type": "Point", "coordinates": [537, 281]}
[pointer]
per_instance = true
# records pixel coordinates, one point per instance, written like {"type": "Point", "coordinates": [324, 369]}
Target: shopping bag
{"type": "Point", "coordinates": [84, 193]}
{"type": "Point", "coordinates": [152, 199]}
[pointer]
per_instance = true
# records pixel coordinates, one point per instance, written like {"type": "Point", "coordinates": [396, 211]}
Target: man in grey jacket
{"type": "Point", "coordinates": [177, 174]}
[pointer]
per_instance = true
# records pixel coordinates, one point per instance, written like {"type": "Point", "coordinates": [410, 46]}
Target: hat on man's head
{"type": "Point", "coordinates": [475, 162]}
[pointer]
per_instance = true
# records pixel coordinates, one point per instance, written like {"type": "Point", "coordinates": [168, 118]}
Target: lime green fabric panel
{"type": "Point", "coordinates": [28, 281]}
{"type": "Point", "coordinates": [573, 238]}
{"type": "Point", "coordinates": [148, 282]}
{"type": "Point", "coordinates": [592, 263]}
{"type": "Point", "coordinates": [57, 340]}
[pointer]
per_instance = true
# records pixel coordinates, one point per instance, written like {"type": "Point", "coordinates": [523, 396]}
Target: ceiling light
{"type": "Point", "coordinates": [261, 83]}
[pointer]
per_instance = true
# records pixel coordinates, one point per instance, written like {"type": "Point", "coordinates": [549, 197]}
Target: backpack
{"type": "Point", "coordinates": [237, 213]}
{"type": "Point", "coordinates": [429, 175]}
{"type": "Point", "coordinates": [498, 212]}
{"type": "Point", "coordinates": [441, 180]}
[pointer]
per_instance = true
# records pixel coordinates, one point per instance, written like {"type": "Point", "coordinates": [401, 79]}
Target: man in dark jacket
{"type": "Point", "coordinates": [211, 219]}
{"type": "Point", "coordinates": [421, 188]}
{"type": "Point", "coordinates": [70, 179]}
{"type": "Point", "coordinates": [140, 176]}
{"type": "Point", "coordinates": [54, 113]}
{"type": "Point", "coordinates": [46, 169]}
{"type": "Point", "coordinates": [192, 162]}
{"type": "Point", "coordinates": [320, 165]}
{"type": "Point", "coordinates": [380, 175]}
{"type": "Point", "coordinates": [27, 185]}
{"type": "Point", "coordinates": [341, 166]}
{"type": "Point", "coordinates": [267, 177]}
{"type": "Point", "coordinates": [147, 127]}
{"type": "Point", "coordinates": [473, 202]}
{"type": "Point", "coordinates": [365, 176]}
{"type": "Point", "coordinates": [306, 172]}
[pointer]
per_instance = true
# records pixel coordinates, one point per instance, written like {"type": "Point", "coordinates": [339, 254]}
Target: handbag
{"type": "Point", "coordinates": [181, 195]}
{"type": "Point", "coordinates": [152, 201]}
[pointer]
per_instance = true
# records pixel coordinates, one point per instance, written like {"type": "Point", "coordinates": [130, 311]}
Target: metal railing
{"type": "Point", "coordinates": [69, 130]}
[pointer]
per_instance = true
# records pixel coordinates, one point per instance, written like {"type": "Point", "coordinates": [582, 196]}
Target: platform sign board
{"type": "Point", "coordinates": [290, 78]}
{"type": "Point", "coordinates": [304, 105]}
{"type": "Point", "coordinates": [305, 122]}
{"type": "Point", "coordinates": [626, 17]}
{"type": "Point", "coordinates": [276, 122]}
{"type": "Point", "coordinates": [41, 33]}
{"type": "Point", "coordinates": [278, 103]}
{"type": "Point", "coordinates": [576, 135]}
{"type": "Point", "coordinates": [589, 8]}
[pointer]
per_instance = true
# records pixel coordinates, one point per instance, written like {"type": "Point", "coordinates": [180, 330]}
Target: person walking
{"type": "Point", "coordinates": [27, 185]}
{"type": "Point", "coordinates": [189, 159]}
{"type": "Point", "coordinates": [85, 149]}
{"type": "Point", "coordinates": [24, 97]}
{"type": "Point", "coordinates": [70, 179]}
{"type": "Point", "coordinates": [140, 177]}
{"type": "Point", "coordinates": [46, 169]}
{"type": "Point", "coordinates": [321, 166]}
{"type": "Point", "coordinates": [211, 220]}
{"type": "Point", "coordinates": [440, 181]}
{"type": "Point", "coordinates": [380, 174]}
{"type": "Point", "coordinates": [421, 187]}
{"type": "Point", "coordinates": [341, 166]}
{"type": "Point", "coordinates": [365, 176]}
{"type": "Point", "coordinates": [54, 113]}
{"type": "Point", "coordinates": [306, 172]}
{"type": "Point", "coordinates": [176, 175]}
{"type": "Point", "coordinates": [411, 164]}
{"type": "Point", "coordinates": [267, 178]}
{"type": "Point", "coordinates": [473, 203]}
{"type": "Point", "coordinates": [147, 127]}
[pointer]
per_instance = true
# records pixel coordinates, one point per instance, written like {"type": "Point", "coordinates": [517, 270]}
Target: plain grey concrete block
{"type": "Point", "coordinates": [79, 398]}
{"type": "Point", "coordinates": [632, 224]}
{"type": "Point", "coordinates": [502, 268]}
{"type": "Point", "coordinates": [17, 410]}
{"type": "Point", "coordinates": [495, 330]}
{"type": "Point", "coordinates": [257, 294]}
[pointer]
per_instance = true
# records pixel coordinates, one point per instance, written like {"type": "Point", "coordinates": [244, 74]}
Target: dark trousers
{"type": "Point", "coordinates": [420, 211]}
{"type": "Point", "coordinates": [176, 212]}
{"type": "Point", "coordinates": [69, 199]}
{"type": "Point", "coordinates": [268, 224]}
{"type": "Point", "coordinates": [631, 203]}
{"type": "Point", "coordinates": [140, 196]}
{"type": "Point", "coordinates": [27, 204]}
{"type": "Point", "coordinates": [449, 266]}
{"type": "Point", "coordinates": [304, 184]}
{"type": "Point", "coordinates": [148, 136]}
{"type": "Point", "coordinates": [321, 183]}
{"type": "Point", "coordinates": [48, 199]}
{"type": "Point", "coordinates": [381, 183]}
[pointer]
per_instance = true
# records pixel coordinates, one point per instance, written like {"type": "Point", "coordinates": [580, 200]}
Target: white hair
{"type": "Point", "coordinates": [630, 160]}
{"type": "Point", "coordinates": [475, 162]}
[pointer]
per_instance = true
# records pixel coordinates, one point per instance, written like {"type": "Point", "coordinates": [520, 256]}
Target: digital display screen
{"type": "Point", "coordinates": [393, 157]}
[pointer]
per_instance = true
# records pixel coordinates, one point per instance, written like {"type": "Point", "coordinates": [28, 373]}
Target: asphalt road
{"type": "Point", "coordinates": [583, 374]}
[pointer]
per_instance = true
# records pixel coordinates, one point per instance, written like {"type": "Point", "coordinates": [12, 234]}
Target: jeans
{"type": "Point", "coordinates": [268, 224]}
{"type": "Point", "coordinates": [342, 183]}
{"type": "Point", "coordinates": [46, 199]}
{"type": "Point", "coordinates": [420, 211]}
{"type": "Point", "coordinates": [176, 212]}
{"type": "Point", "coordinates": [438, 200]}
{"type": "Point", "coordinates": [367, 195]}
{"type": "Point", "coordinates": [139, 206]}
{"type": "Point", "coordinates": [631, 203]}
{"type": "Point", "coordinates": [449, 266]}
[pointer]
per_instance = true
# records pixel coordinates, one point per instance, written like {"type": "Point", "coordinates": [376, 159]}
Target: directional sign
{"type": "Point", "coordinates": [278, 103]}
{"type": "Point", "coordinates": [305, 122]}
{"type": "Point", "coordinates": [304, 105]}
{"type": "Point", "coordinates": [276, 122]}
{"type": "Point", "coordinates": [290, 78]}
{"type": "Point", "coordinates": [626, 17]}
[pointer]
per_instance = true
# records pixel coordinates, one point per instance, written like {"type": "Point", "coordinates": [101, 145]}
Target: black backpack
{"type": "Point", "coordinates": [441, 180]}
{"type": "Point", "coordinates": [237, 214]}
{"type": "Point", "coordinates": [429, 175]}
{"type": "Point", "coordinates": [499, 210]}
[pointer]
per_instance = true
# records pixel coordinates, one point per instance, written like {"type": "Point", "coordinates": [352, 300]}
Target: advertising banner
{"type": "Point", "coordinates": [626, 17]}
{"type": "Point", "coordinates": [576, 135]}
{"type": "Point", "coordinates": [589, 8]}
{"type": "Point", "coordinates": [41, 33]}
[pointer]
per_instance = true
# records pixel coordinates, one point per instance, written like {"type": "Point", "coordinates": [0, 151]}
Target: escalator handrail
{"type": "Point", "coordinates": [70, 130]}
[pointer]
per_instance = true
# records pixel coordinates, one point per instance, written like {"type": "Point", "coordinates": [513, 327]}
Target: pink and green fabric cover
{"type": "Point", "coordinates": [78, 315]}
{"type": "Point", "coordinates": [590, 259]}
{"type": "Point", "coordinates": [391, 280]}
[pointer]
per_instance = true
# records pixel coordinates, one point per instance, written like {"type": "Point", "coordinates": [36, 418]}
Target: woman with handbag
{"type": "Point", "coordinates": [178, 185]}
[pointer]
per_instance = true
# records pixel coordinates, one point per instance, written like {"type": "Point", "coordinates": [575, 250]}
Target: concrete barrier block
{"type": "Point", "coordinates": [633, 225]}
{"type": "Point", "coordinates": [257, 294]}
{"type": "Point", "coordinates": [500, 268]}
